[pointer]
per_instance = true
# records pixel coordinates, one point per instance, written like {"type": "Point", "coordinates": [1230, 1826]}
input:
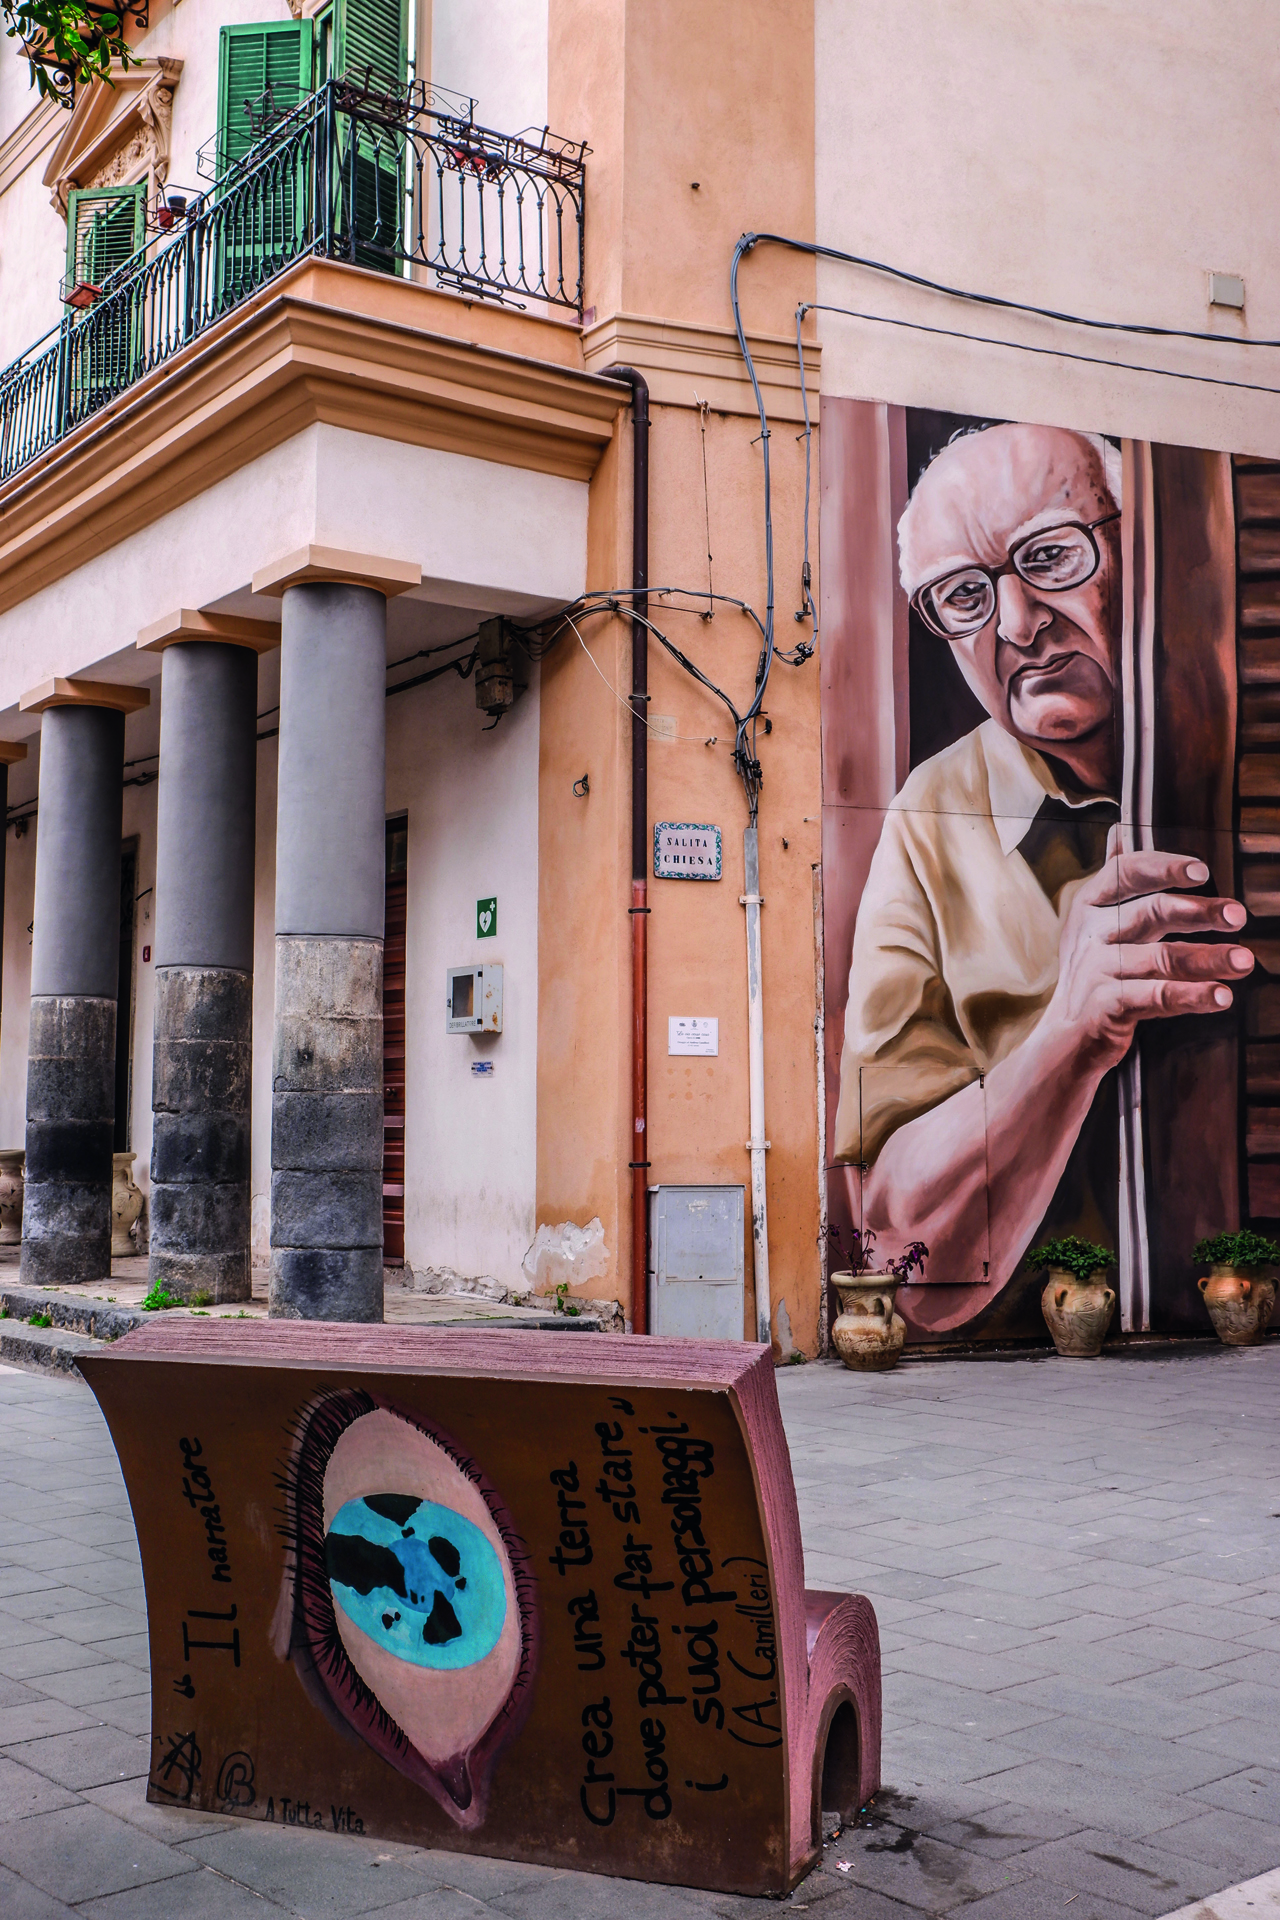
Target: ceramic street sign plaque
{"type": "Point", "coordinates": [683, 851]}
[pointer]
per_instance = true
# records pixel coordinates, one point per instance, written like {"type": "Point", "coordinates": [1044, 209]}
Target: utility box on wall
{"type": "Point", "coordinates": [473, 999]}
{"type": "Point", "coordinates": [696, 1262]}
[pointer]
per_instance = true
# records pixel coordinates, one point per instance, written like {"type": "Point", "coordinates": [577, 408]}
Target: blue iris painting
{"type": "Point", "coordinates": [418, 1578]}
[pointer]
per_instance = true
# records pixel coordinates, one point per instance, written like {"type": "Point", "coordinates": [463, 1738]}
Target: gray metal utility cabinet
{"type": "Point", "coordinates": [696, 1262]}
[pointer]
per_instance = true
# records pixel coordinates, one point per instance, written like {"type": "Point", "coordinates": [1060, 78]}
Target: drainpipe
{"type": "Point", "coordinates": [757, 1144]}
{"type": "Point", "coordinates": [639, 909]}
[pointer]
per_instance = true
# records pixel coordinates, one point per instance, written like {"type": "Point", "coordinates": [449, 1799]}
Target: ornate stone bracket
{"type": "Point", "coordinates": [117, 135]}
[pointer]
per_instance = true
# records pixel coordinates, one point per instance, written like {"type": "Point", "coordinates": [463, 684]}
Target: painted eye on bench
{"type": "Point", "coordinates": [408, 1617]}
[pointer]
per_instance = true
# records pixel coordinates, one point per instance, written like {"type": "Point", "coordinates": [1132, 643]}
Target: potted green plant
{"type": "Point", "coordinates": [868, 1334]}
{"type": "Point", "coordinates": [1239, 1294]}
{"type": "Point", "coordinates": [1076, 1303]}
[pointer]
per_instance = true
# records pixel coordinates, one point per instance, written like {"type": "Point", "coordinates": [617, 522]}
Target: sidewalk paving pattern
{"type": "Point", "coordinates": [1077, 1573]}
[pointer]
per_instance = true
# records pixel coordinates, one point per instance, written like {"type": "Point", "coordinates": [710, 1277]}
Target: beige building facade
{"type": "Point", "coordinates": [372, 409]}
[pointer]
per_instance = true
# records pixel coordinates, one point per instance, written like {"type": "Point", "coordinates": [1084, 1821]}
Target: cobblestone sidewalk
{"type": "Point", "coordinates": [1077, 1572]}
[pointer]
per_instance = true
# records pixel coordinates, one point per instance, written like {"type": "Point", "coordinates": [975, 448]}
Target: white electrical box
{"type": "Point", "coordinates": [696, 1284]}
{"type": "Point", "coordinates": [473, 999]}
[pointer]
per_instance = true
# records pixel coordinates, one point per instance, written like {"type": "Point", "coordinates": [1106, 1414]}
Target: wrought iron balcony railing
{"type": "Point", "coordinates": [381, 177]}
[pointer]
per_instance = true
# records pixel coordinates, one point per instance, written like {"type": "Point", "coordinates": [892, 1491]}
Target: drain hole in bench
{"type": "Point", "coordinates": [841, 1780]}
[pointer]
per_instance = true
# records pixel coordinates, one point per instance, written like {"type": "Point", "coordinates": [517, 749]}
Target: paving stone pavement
{"type": "Point", "coordinates": [1077, 1573]}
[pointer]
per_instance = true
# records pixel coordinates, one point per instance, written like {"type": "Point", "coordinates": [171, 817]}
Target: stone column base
{"type": "Point", "coordinates": [201, 1082]}
{"type": "Point", "coordinates": [71, 1070]}
{"type": "Point", "coordinates": [326, 1129]}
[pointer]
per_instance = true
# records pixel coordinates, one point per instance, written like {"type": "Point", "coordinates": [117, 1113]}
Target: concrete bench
{"type": "Point", "coordinates": [489, 1591]}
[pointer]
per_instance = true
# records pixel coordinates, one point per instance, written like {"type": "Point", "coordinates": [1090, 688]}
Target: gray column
{"type": "Point", "coordinates": [202, 1067]}
{"type": "Point", "coordinates": [11, 751]}
{"type": "Point", "coordinates": [326, 1109]}
{"type": "Point", "coordinates": [75, 962]}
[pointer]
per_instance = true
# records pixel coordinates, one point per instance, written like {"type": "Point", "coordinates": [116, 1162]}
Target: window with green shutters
{"type": "Point", "coordinates": [105, 227]}
{"type": "Point", "coordinates": [263, 71]}
{"type": "Point", "coordinates": [253, 61]}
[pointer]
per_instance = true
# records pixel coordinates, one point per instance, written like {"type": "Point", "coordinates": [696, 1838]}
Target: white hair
{"type": "Point", "coordinates": [1112, 466]}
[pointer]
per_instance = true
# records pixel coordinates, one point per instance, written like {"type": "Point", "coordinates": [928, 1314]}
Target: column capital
{"type": "Point", "coordinates": [11, 751]}
{"type": "Point", "coordinates": [334, 566]}
{"type": "Point", "coordinates": [83, 693]}
{"type": "Point", "coordinates": [188, 623]}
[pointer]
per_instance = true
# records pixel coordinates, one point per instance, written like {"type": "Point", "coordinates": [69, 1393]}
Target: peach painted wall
{"type": "Point", "coordinates": [667, 95]}
{"type": "Point", "coordinates": [1098, 157]}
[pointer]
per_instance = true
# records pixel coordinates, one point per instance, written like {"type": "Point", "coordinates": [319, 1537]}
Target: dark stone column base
{"type": "Point", "coordinates": [201, 1082]}
{"type": "Point", "coordinates": [66, 1213]}
{"type": "Point", "coordinates": [326, 1129]}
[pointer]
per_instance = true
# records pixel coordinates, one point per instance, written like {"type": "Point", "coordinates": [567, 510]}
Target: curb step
{"type": "Point", "coordinates": [78, 1327]}
{"type": "Point", "coordinates": [45, 1349]}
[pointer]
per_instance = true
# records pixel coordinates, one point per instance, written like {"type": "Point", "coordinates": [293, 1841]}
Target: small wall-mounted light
{"type": "Point", "coordinates": [1226, 290]}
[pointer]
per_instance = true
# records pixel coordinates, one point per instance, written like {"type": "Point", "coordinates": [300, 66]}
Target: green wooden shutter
{"type": "Point", "coordinates": [262, 221]}
{"type": "Point", "coordinates": [105, 225]}
{"type": "Point", "coordinates": [371, 34]}
{"type": "Point", "coordinates": [275, 55]}
{"type": "Point", "coordinates": [371, 38]}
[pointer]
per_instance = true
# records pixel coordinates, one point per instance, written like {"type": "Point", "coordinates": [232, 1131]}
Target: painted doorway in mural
{"type": "Point", "coordinates": [394, 1041]}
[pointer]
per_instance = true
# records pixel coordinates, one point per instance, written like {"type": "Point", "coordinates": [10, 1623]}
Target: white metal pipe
{"type": "Point", "coordinates": [757, 1145]}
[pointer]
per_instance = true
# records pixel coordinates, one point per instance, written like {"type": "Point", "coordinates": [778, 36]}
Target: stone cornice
{"type": "Point", "coordinates": [685, 363]}
{"type": "Point", "coordinates": [326, 342]}
{"type": "Point", "coordinates": [28, 141]}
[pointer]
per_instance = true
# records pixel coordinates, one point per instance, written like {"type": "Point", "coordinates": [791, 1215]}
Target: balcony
{"type": "Point", "coordinates": [381, 179]}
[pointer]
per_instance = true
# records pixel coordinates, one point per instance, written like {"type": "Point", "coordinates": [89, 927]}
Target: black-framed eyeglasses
{"type": "Point", "coordinates": [1052, 560]}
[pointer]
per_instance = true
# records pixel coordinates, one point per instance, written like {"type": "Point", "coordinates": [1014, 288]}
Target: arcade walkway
{"type": "Point", "coordinates": [1077, 1572]}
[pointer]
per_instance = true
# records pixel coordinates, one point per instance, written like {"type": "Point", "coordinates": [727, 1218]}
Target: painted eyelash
{"type": "Point", "coordinates": [312, 1436]}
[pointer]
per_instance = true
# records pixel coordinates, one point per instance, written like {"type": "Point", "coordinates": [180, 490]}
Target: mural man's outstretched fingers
{"type": "Point", "coordinates": [1155, 915]}
{"type": "Point", "coordinates": [1184, 960]}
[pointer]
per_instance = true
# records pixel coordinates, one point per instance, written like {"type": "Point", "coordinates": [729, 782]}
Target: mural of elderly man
{"type": "Point", "coordinates": [1006, 948]}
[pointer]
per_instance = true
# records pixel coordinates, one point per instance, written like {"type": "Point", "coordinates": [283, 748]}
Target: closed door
{"type": "Point", "coordinates": [393, 1043]}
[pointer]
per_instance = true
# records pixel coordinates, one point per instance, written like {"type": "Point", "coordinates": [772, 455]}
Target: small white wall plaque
{"type": "Point", "coordinates": [693, 1033]}
{"type": "Point", "coordinates": [683, 851]}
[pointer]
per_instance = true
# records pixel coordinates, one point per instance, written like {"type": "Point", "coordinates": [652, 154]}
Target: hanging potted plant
{"type": "Point", "coordinates": [868, 1334]}
{"type": "Point", "coordinates": [1240, 1296]}
{"type": "Point", "coordinates": [1076, 1303]}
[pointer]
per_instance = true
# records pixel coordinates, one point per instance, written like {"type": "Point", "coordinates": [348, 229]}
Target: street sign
{"type": "Point", "coordinates": [684, 851]}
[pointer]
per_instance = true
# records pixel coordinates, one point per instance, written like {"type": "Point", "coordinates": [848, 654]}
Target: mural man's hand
{"type": "Point", "coordinates": [1120, 959]}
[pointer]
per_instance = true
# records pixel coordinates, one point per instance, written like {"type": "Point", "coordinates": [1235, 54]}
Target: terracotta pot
{"type": "Point", "coordinates": [1077, 1313]}
{"type": "Point", "coordinates": [12, 1161]}
{"type": "Point", "coordinates": [1240, 1302]}
{"type": "Point", "coordinates": [868, 1334]}
{"type": "Point", "coordinates": [126, 1204]}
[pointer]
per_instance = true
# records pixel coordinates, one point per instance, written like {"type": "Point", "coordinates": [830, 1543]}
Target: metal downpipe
{"type": "Point", "coordinates": [639, 909]}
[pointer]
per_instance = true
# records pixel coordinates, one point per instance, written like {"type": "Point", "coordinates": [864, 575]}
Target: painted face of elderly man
{"type": "Point", "coordinates": [1005, 947]}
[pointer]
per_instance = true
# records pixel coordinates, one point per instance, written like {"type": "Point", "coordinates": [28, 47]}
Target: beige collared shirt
{"type": "Point", "coordinates": [955, 953]}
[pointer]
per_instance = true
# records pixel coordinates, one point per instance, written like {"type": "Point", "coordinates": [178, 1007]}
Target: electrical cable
{"type": "Point", "coordinates": [693, 739]}
{"type": "Point", "coordinates": [1057, 353]}
{"type": "Point", "coordinates": [819, 251]}
{"type": "Point", "coordinates": [807, 609]}
{"type": "Point", "coordinates": [747, 762]}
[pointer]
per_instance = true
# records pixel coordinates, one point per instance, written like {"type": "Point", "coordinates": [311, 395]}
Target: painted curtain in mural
{"type": "Point", "coordinates": [1051, 713]}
